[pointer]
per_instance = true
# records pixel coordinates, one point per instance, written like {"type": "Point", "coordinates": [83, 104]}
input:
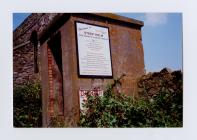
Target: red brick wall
{"type": "Point", "coordinates": [55, 98]}
{"type": "Point", "coordinates": [51, 90]}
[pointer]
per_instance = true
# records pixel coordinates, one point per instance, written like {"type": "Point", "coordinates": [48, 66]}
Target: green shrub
{"type": "Point", "coordinates": [167, 102]}
{"type": "Point", "coordinates": [118, 110]}
{"type": "Point", "coordinates": [27, 105]}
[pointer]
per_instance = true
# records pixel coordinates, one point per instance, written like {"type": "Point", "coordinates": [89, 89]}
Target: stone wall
{"type": "Point", "coordinates": [23, 54]}
{"type": "Point", "coordinates": [23, 60]}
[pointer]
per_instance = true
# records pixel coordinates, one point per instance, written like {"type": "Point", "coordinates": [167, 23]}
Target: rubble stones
{"type": "Point", "coordinates": [153, 83]}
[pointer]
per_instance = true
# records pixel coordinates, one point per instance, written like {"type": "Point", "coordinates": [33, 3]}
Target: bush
{"type": "Point", "coordinates": [164, 109]}
{"type": "Point", "coordinates": [27, 105]}
{"type": "Point", "coordinates": [165, 90]}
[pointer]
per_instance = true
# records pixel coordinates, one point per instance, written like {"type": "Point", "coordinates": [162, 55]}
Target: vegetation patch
{"type": "Point", "coordinates": [164, 108]}
{"type": "Point", "coordinates": [27, 105]}
{"type": "Point", "coordinates": [159, 104]}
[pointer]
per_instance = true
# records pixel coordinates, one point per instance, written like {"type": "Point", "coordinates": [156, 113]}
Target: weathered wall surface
{"type": "Point", "coordinates": [127, 56]}
{"type": "Point", "coordinates": [23, 59]}
{"type": "Point", "coordinates": [126, 51]}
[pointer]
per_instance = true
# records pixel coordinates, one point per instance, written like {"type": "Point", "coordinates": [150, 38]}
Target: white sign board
{"type": "Point", "coordinates": [94, 56]}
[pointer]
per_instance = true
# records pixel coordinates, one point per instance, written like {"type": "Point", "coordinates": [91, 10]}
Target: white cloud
{"type": "Point", "coordinates": [155, 19]}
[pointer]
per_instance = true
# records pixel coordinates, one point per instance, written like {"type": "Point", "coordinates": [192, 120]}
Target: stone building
{"type": "Point", "coordinates": [47, 48]}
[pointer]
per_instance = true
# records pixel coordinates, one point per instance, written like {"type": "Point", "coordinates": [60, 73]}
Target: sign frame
{"type": "Point", "coordinates": [77, 53]}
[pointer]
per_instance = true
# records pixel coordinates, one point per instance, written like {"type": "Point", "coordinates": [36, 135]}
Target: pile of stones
{"type": "Point", "coordinates": [153, 83]}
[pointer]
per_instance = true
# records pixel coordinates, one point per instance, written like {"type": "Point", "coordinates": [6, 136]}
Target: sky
{"type": "Point", "coordinates": [161, 38]}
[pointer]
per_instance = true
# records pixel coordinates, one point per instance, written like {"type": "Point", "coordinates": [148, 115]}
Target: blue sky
{"type": "Point", "coordinates": [161, 38]}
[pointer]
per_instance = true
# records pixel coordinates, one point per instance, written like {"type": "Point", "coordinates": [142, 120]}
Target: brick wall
{"type": "Point", "coordinates": [51, 90]}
